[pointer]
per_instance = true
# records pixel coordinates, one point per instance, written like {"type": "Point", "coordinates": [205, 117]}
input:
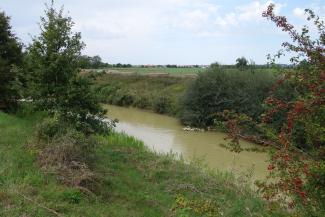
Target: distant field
{"type": "Point", "coordinates": [164, 71]}
{"type": "Point", "coordinates": [158, 71]}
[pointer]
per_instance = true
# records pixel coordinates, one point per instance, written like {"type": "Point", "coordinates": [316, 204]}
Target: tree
{"type": "Point", "coordinates": [241, 63]}
{"type": "Point", "coordinates": [54, 63]}
{"type": "Point", "coordinates": [215, 65]}
{"type": "Point", "coordinates": [96, 62]}
{"type": "Point", "coordinates": [84, 62]}
{"type": "Point", "coordinates": [10, 58]}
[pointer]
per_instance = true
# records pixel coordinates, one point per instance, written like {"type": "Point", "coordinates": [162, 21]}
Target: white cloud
{"type": "Point", "coordinates": [161, 31]}
{"type": "Point", "coordinates": [143, 18]}
{"type": "Point", "coordinates": [254, 10]}
{"type": "Point", "coordinates": [251, 12]}
{"type": "Point", "coordinates": [228, 20]}
{"type": "Point", "coordinates": [194, 20]}
{"type": "Point", "coordinates": [117, 24]}
{"type": "Point", "coordinates": [300, 13]}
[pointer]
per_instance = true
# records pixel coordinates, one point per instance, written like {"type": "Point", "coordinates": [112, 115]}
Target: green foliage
{"type": "Point", "coordinates": [160, 94]}
{"type": "Point", "coordinates": [297, 167]}
{"type": "Point", "coordinates": [62, 142]}
{"type": "Point", "coordinates": [10, 59]}
{"type": "Point", "coordinates": [54, 58]}
{"type": "Point", "coordinates": [95, 62]}
{"type": "Point", "coordinates": [161, 104]}
{"type": "Point", "coordinates": [53, 63]}
{"type": "Point", "coordinates": [241, 63]}
{"type": "Point", "coordinates": [185, 207]}
{"type": "Point", "coordinates": [217, 90]}
{"type": "Point", "coordinates": [72, 196]}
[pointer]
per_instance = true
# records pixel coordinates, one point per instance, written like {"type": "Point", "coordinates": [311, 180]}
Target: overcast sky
{"type": "Point", "coordinates": [168, 31]}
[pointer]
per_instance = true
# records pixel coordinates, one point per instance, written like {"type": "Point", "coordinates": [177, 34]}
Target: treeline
{"type": "Point", "coordinates": [95, 62]}
{"type": "Point", "coordinates": [88, 62]}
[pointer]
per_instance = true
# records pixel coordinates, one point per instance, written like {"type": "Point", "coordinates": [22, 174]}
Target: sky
{"type": "Point", "coordinates": [182, 32]}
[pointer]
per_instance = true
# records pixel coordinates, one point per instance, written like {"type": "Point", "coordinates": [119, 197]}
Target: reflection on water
{"type": "Point", "coordinates": [164, 134]}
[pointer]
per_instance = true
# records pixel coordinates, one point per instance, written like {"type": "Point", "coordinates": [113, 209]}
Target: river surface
{"type": "Point", "coordinates": [165, 134]}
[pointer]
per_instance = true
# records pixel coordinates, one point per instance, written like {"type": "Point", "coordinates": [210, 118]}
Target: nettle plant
{"type": "Point", "coordinates": [298, 165]}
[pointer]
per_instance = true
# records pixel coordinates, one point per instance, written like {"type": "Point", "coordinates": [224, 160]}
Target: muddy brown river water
{"type": "Point", "coordinates": [165, 134]}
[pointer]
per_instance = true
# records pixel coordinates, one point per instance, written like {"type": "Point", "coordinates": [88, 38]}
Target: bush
{"type": "Point", "coordinates": [217, 90]}
{"type": "Point", "coordinates": [162, 104]}
{"type": "Point", "coordinates": [123, 98]}
{"type": "Point", "coordinates": [65, 152]}
{"type": "Point", "coordinates": [48, 128]}
{"type": "Point", "coordinates": [142, 102]}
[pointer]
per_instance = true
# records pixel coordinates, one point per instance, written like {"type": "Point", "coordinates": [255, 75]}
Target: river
{"type": "Point", "coordinates": [165, 134]}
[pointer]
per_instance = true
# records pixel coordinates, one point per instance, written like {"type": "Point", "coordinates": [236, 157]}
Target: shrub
{"type": "Point", "coordinates": [48, 128]}
{"type": "Point", "coordinates": [66, 153]}
{"type": "Point", "coordinates": [162, 104]}
{"type": "Point", "coordinates": [142, 102]}
{"type": "Point", "coordinates": [217, 90]}
{"type": "Point", "coordinates": [123, 98]}
{"type": "Point", "coordinates": [297, 167]}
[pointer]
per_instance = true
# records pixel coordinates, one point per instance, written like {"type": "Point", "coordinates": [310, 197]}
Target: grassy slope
{"type": "Point", "coordinates": [132, 182]}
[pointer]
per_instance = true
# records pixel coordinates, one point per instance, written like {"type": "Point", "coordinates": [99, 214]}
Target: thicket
{"type": "Point", "coordinates": [218, 89]}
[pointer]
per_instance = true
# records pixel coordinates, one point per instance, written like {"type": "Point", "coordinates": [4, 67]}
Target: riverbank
{"type": "Point", "coordinates": [165, 134]}
{"type": "Point", "coordinates": [196, 101]}
{"type": "Point", "coordinates": [161, 94]}
{"type": "Point", "coordinates": [131, 181]}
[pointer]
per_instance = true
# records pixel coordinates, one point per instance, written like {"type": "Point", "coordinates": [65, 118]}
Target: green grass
{"type": "Point", "coordinates": [131, 181]}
